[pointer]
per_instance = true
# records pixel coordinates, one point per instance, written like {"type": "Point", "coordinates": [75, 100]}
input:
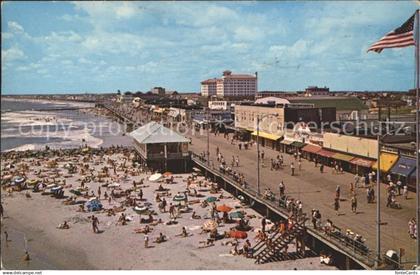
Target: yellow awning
{"type": "Point", "coordinates": [343, 157]}
{"type": "Point", "coordinates": [266, 135]}
{"type": "Point", "coordinates": [387, 161]}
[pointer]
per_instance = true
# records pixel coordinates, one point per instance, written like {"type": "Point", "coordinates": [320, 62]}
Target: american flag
{"type": "Point", "coordinates": [398, 38]}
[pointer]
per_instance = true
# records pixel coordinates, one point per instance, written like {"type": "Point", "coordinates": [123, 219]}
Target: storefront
{"type": "Point", "coordinates": [267, 140]}
{"type": "Point", "coordinates": [387, 160]}
{"type": "Point", "coordinates": [361, 166]}
{"type": "Point", "coordinates": [309, 152]}
{"type": "Point", "coordinates": [285, 146]}
{"type": "Point", "coordinates": [343, 160]}
{"type": "Point", "coordinates": [297, 145]}
{"type": "Point", "coordinates": [325, 157]}
{"type": "Point", "coordinates": [403, 169]}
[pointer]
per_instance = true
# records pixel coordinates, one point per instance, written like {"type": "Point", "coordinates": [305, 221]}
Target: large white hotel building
{"type": "Point", "coordinates": [231, 85]}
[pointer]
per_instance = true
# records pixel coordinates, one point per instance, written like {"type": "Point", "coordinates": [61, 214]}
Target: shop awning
{"type": "Point", "coordinates": [287, 141]}
{"type": "Point", "coordinates": [343, 157]}
{"type": "Point", "coordinates": [266, 135]}
{"type": "Point", "coordinates": [311, 148]}
{"type": "Point", "coordinates": [325, 153]}
{"type": "Point", "coordinates": [405, 166]}
{"type": "Point", "coordinates": [362, 162]}
{"type": "Point", "coordinates": [298, 144]}
{"type": "Point", "coordinates": [387, 161]}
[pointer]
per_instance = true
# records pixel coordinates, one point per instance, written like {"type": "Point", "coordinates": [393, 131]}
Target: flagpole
{"type": "Point", "coordinates": [417, 53]}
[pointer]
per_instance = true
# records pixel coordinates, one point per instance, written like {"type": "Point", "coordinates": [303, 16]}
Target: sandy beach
{"type": "Point", "coordinates": [31, 221]}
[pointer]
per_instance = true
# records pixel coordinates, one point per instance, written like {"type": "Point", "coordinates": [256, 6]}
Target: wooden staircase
{"type": "Point", "coordinates": [264, 253]}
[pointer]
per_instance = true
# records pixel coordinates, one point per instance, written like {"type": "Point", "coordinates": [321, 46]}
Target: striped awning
{"type": "Point", "coordinates": [287, 141]}
{"type": "Point", "coordinates": [343, 157]}
{"type": "Point", "coordinates": [362, 162]}
{"type": "Point", "coordinates": [326, 153]}
{"type": "Point", "coordinates": [266, 135]}
{"type": "Point", "coordinates": [298, 144]}
{"type": "Point", "coordinates": [311, 148]}
{"type": "Point", "coordinates": [387, 161]}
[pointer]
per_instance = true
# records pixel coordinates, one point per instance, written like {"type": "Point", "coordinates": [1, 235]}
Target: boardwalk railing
{"type": "Point", "coordinates": [359, 251]}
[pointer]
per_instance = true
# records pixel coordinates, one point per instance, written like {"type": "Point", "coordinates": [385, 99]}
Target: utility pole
{"type": "Point", "coordinates": [378, 202]}
{"type": "Point", "coordinates": [258, 155]}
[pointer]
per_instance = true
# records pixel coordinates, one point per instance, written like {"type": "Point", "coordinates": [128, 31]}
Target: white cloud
{"type": "Point", "coordinates": [11, 54]}
{"type": "Point", "coordinates": [14, 27]}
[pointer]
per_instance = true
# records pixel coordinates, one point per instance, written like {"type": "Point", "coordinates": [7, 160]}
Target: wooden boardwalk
{"type": "Point", "coordinates": [317, 191]}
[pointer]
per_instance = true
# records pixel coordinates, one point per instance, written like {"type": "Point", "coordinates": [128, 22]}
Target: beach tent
{"type": "Point", "coordinates": [94, 205]}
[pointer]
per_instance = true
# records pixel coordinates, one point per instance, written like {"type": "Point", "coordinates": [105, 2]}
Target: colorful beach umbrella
{"type": "Point", "coordinates": [224, 208]}
{"type": "Point", "coordinates": [210, 225]}
{"type": "Point", "coordinates": [211, 199]}
{"type": "Point", "coordinates": [179, 197]}
{"type": "Point", "coordinates": [167, 174]}
{"type": "Point", "coordinates": [238, 234]}
{"type": "Point", "coordinates": [155, 177]}
{"type": "Point", "coordinates": [236, 215]}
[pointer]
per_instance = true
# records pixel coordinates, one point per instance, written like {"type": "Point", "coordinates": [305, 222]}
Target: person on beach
{"type": "Point", "coordinates": [1, 210]}
{"type": "Point", "coordinates": [26, 257]}
{"type": "Point", "coordinates": [6, 236]}
{"type": "Point", "coordinates": [99, 192]}
{"type": "Point", "coordinates": [141, 193]}
{"type": "Point", "coordinates": [146, 241]}
{"type": "Point", "coordinates": [95, 223]}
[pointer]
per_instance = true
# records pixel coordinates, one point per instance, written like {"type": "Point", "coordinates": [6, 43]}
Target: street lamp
{"type": "Point", "coordinates": [258, 148]}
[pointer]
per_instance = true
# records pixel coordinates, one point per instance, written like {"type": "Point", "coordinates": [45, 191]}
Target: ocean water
{"type": "Point", "coordinates": [34, 124]}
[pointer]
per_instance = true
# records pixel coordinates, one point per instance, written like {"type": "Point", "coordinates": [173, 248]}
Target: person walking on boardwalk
{"type": "Point", "coordinates": [292, 167]}
{"type": "Point", "coordinates": [282, 189]}
{"type": "Point", "coordinates": [321, 168]}
{"type": "Point", "coordinates": [354, 204]}
{"type": "Point", "coordinates": [337, 192]}
{"type": "Point", "coordinates": [337, 206]}
{"type": "Point", "coordinates": [405, 192]}
{"type": "Point", "coordinates": [300, 165]}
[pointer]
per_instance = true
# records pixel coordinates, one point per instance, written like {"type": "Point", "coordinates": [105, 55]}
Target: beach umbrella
{"type": "Point", "coordinates": [179, 197]}
{"type": "Point", "coordinates": [196, 169]}
{"type": "Point", "coordinates": [238, 234]}
{"type": "Point", "coordinates": [167, 174]}
{"type": "Point", "coordinates": [155, 177]}
{"type": "Point", "coordinates": [224, 208]}
{"type": "Point", "coordinates": [140, 209]}
{"type": "Point", "coordinates": [210, 225]}
{"type": "Point", "coordinates": [211, 199]}
{"type": "Point", "coordinates": [236, 215]}
{"type": "Point", "coordinates": [32, 181]}
{"type": "Point", "coordinates": [114, 185]}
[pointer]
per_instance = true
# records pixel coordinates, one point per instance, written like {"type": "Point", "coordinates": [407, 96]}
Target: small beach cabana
{"type": "Point", "coordinates": [161, 148]}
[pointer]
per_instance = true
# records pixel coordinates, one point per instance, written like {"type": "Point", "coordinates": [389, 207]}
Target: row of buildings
{"type": "Point", "coordinates": [286, 125]}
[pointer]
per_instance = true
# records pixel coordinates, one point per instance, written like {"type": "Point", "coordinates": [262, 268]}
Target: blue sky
{"type": "Point", "coordinates": [59, 47]}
